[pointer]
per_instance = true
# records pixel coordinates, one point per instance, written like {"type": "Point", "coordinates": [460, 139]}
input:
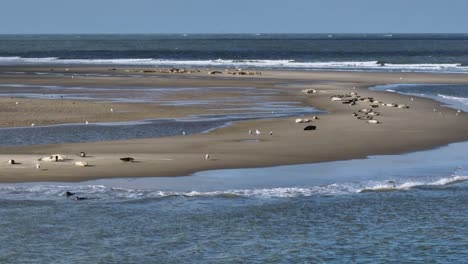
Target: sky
{"type": "Point", "coordinates": [232, 16]}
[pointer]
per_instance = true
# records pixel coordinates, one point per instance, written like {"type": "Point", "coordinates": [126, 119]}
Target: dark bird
{"type": "Point", "coordinates": [310, 127]}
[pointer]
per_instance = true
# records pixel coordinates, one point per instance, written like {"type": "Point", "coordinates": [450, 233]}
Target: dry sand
{"type": "Point", "coordinates": [339, 135]}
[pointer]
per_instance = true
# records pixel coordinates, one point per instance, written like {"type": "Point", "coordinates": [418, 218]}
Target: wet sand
{"type": "Point", "coordinates": [339, 135]}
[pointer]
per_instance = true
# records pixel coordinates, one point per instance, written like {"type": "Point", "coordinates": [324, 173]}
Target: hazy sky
{"type": "Point", "coordinates": [233, 16]}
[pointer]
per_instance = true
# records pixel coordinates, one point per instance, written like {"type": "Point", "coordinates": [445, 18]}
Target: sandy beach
{"type": "Point", "coordinates": [338, 135]}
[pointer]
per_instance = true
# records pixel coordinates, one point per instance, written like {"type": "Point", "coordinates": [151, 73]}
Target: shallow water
{"type": "Point", "coordinates": [386, 209]}
{"type": "Point", "coordinates": [239, 103]}
{"type": "Point", "coordinates": [454, 96]}
{"type": "Point", "coordinates": [400, 208]}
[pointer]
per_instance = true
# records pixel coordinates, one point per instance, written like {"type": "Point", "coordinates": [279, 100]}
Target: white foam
{"type": "Point", "coordinates": [462, 100]}
{"type": "Point", "coordinates": [411, 184]}
{"type": "Point", "coordinates": [57, 191]}
{"type": "Point", "coordinates": [328, 65]}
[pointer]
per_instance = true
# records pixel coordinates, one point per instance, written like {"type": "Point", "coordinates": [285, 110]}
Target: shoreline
{"type": "Point", "coordinates": [339, 136]}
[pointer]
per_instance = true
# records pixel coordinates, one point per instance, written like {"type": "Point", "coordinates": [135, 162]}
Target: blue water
{"type": "Point", "coordinates": [384, 209]}
{"type": "Point", "coordinates": [370, 52]}
{"type": "Point", "coordinates": [400, 208]}
{"type": "Point", "coordinates": [454, 96]}
{"type": "Point", "coordinates": [408, 208]}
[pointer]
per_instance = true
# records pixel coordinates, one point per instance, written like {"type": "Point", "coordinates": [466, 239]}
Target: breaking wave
{"type": "Point", "coordinates": [46, 191]}
{"type": "Point", "coordinates": [269, 64]}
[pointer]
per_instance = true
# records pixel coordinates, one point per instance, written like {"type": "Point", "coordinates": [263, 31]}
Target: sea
{"type": "Point", "coordinates": [406, 208]}
{"type": "Point", "coordinates": [357, 52]}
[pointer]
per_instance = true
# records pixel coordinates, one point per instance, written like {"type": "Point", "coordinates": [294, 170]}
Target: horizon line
{"type": "Point", "coordinates": [243, 33]}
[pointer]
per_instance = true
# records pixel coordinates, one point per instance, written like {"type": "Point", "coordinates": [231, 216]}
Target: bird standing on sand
{"type": "Point", "coordinates": [86, 122]}
{"type": "Point", "coordinates": [250, 132]}
{"type": "Point", "coordinates": [112, 109]}
{"type": "Point", "coordinates": [271, 133]}
{"type": "Point", "coordinates": [33, 124]}
{"type": "Point", "coordinates": [183, 133]}
{"type": "Point", "coordinates": [207, 156]}
{"type": "Point", "coordinates": [412, 99]}
{"type": "Point", "coordinates": [38, 166]}
{"type": "Point", "coordinates": [257, 132]}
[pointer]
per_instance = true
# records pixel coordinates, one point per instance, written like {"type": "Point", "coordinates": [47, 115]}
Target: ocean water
{"type": "Point", "coordinates": [454, 96]}
{"type": "Point", "coordinates": [351, 52]}
{"type": "Point", "coordinates": [399, 209]}
{"type": "Point", "coordinates": [408, 208]}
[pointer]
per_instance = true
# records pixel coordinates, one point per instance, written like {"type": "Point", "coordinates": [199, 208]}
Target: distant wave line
{"type": "Point", "coordinates": [283, 64]}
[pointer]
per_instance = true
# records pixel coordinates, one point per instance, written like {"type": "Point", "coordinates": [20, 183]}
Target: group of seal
{"type": "Point", "coordinates": [366, 114]}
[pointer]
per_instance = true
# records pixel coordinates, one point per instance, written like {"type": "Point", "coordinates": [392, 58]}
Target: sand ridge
{"type": "Point", "coordinates": [339, 135]}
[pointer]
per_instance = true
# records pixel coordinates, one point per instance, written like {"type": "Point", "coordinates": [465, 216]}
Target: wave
{"type": "Point", "coordinates": [462, 100]}
{"type": "Point", "coordinates": [46, 192]}
{"type": "Point", "coordinates": [432, 91]}
{"type": "Point", "coordinates": [283, 64]}
{"type": "Point", "coordinates": [407, 185]}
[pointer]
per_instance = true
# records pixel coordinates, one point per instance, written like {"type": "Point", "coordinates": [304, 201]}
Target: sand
{"type": "Point", "coordinates": [339, 135]}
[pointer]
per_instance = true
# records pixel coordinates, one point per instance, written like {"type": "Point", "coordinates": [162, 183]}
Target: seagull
{"type": "Point", "coordinates": [17, 103]}
{"type": "Point", "coordinates": [86, 122]}
{"type": "Point", "coordinates": [207, 156]}
{"type": "Point", "coordinates": [183, 133]}
{"type": "Point", "coordinates": [33, 124]}
{"type": "Point", "coordinates": [258, 132]}
{"type": "Point", "coordinates": [412, 99]}
{"type": "Point", "coordinates": [250, 132]}
{"type": "Point", "coordinates": [112, 109]}
{"type": "Point", "coordinates": [435, 109]}
{"type": "Point", "coordinates": [38, 166]}
{"type": "Point", "coordinates": [271, 133]}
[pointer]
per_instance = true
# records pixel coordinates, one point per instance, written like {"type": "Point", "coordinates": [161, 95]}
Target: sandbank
{"type": "Point", "coordinates": [339, 135]}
